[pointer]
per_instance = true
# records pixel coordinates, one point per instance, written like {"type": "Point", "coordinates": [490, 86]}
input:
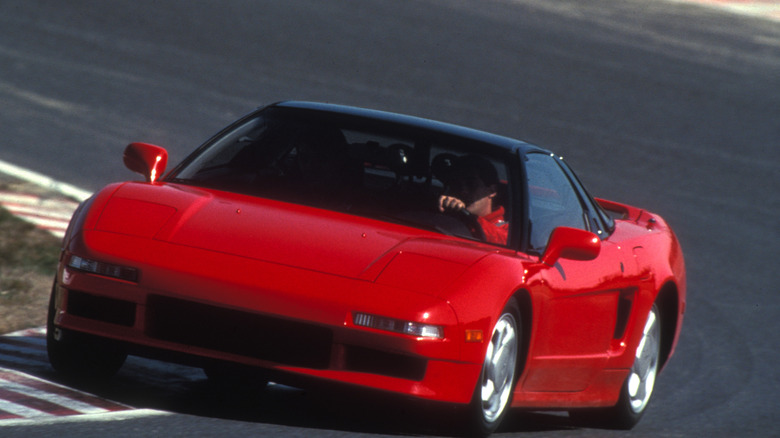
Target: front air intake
{"type": "Point", "coordinates": [238, 332]}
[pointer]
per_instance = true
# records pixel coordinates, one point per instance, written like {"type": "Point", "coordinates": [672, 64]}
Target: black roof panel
{"type": "Point", "coordinates": [506, 143]}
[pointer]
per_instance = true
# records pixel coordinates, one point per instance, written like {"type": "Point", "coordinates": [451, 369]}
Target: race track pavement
{"type": "Point", "coordinates": [768, 9]}
{"type": "Point", "coordinates": [49, 204]}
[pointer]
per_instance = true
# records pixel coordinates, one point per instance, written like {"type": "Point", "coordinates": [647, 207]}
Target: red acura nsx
{"type": "Point", "coordinates": [376, 250]}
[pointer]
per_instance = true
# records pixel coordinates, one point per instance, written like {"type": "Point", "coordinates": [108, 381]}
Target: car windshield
{"type": "Point", "coordinates": [373, 170]}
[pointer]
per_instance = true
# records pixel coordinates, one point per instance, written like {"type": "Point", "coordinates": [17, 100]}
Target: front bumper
{"type": "Point", "coordinates": [328, 348]}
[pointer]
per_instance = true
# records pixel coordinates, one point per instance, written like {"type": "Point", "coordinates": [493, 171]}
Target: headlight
{"type": "Point", "coordinates": [417, 329]}
{"type": "Point", "coordinates": [105, 269]}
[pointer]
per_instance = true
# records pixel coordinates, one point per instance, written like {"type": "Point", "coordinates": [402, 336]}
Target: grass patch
{"type": "Point", "coordinates": [28, 261]}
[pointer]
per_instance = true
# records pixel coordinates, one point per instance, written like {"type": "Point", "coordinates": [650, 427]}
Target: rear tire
{"type": "Point", "coordinates": [78, 355]}
{"type": "Point", "coordinates": [493, 394]}
{"type": "Point", "coordinates": [638, 387]}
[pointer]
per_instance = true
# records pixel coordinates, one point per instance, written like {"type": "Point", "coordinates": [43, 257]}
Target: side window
{"type": "Point", "coordinates": [552, 202]}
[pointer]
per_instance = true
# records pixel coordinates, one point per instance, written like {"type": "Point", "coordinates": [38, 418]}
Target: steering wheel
{"type": "Point", "coordinates": [472, 222]}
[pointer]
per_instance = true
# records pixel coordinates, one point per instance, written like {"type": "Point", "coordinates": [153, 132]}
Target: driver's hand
{"type": "Point", "coordinates": [450, 203]}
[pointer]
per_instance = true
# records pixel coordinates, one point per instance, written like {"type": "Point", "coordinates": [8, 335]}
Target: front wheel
{"type": "Point", "coordinates": [493, 393]}
{"type": "Point", "coordinates": [78, 355]}
{"type": "Point", "coordinates": [235, 376]}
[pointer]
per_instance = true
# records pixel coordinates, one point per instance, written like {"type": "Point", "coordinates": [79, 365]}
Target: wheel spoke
{"type": "Point", "coordinates": [633, 384]}
{"type": "Point", "coordinates": [487, 390]}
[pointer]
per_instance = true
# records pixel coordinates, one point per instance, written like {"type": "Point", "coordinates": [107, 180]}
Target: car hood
{"type": "Point", "coordinates": [287, 234]}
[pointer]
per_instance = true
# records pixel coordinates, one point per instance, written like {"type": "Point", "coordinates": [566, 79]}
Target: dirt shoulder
{"type": "Point", "coordinates": [28, 261]}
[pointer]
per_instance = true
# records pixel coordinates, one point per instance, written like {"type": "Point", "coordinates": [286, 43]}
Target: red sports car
{"type": "Point", "coordinates": [378, 250]}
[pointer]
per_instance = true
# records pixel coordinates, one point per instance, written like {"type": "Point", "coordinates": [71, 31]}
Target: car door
{"type": "Point", "coordinates": [577, 300]}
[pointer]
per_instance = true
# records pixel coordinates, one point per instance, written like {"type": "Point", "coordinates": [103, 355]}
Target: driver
{"type": "Point", "coordinates": [472, 186]}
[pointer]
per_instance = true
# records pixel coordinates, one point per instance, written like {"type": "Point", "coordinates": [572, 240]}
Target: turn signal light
{"type": "Point", "coordinates": [474, 336]}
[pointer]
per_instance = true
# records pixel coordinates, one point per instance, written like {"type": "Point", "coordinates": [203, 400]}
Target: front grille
{"type": "Point", "coordinates": [238, 332]}
{"type": "Point", "coordinates": [102, 309]}
{"type": "Point", "coordinates": [369, 360]}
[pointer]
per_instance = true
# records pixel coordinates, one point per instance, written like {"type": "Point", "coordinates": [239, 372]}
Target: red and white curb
{"type": "Point", "coordinates": [49, 214]}
{"type": "Point", "coordinates": [43, 181]}
{"type": "Point", "coordinates": [52, 211]}
{"type": "Point", "coordinates": [24, 397]}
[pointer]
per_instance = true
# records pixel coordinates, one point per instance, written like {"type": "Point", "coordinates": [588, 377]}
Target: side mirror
{"type": "Point", "coordinates": [147, 159]}
{"type": "Point", "coordinates": [572, 244]}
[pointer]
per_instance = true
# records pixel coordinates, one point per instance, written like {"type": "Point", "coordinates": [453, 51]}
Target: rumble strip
{"type": "Point", "coordinates": [23, 396]}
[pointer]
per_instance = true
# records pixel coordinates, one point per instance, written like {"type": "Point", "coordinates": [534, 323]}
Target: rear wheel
{"type": "Point", "coordinates": [78, 355]}
{"type": "Point", "coordinates": [493, 393]}
{"type": "Point", "coordinates": [640, 383]}
{"type": "Point", "coordinates": [638, 387]}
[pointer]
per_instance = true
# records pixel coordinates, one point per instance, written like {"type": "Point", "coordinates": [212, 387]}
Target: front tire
{"type": "Point", "coordinates": [235, 376]}
{"type": "Point", "coordinates": [493, 394]}
{"type": "Point", "coordinates": [78, 355]}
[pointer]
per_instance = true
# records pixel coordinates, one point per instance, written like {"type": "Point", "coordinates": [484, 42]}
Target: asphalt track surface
{"type": "Point", "coordinates": [664, 105]}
